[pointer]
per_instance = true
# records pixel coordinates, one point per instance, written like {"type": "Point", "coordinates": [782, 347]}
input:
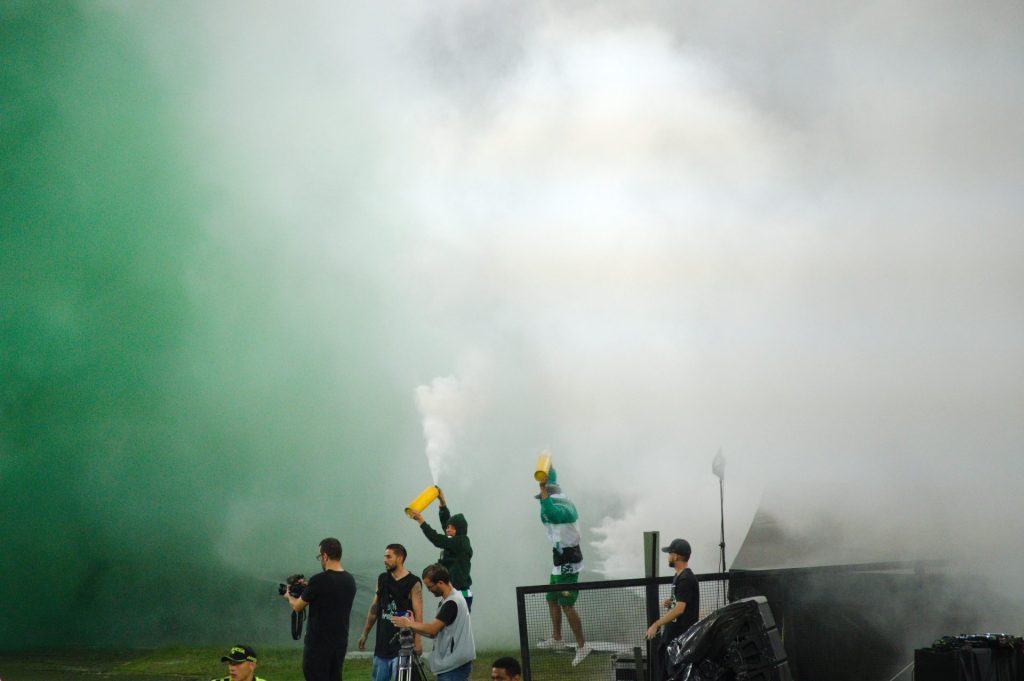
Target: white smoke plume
{"type": "Point", "coordinates": [789, 231]}
{"type": "Point", "coordinates": [447, 405]}
{"type": "Point", "coordinates": [441, 405]}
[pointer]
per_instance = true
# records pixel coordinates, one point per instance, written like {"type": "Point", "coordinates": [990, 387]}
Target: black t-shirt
{"type": "Point", "coordinates": [448, 612]}
{"type": "Point", "coordinates": [685, 589]}
{"type": "Point", "coordinates": [330, 595]}
{"type": "Point", "coordinates": [394, 595]}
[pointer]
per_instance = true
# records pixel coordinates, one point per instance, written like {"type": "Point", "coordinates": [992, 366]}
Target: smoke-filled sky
{"type": "Point", "coordinates": [258, 260]}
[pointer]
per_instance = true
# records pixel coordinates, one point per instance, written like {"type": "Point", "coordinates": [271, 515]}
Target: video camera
{"type": "Point", "coordinates": [295, 584]}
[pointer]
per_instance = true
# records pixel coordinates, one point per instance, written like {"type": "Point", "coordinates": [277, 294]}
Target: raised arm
{"type": "Point", "coordinates": [433, 536]}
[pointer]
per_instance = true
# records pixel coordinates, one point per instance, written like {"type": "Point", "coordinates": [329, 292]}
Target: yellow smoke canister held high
{"type": "Point", "coordinates": [543, 467]}
{"type": "Point", "coordinates": [425, 498]}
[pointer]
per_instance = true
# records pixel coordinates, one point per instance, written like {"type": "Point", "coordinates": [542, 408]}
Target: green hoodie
{"type": "Point", "coordinates": [456, 552]}
{"type": "Point", "coordinates": [561, 521]}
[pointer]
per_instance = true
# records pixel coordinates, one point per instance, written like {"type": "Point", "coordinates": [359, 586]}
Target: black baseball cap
{"type": "Point", "coordinates": [680, 547]}
{"type": "Point", "coordinates": [240, 653]}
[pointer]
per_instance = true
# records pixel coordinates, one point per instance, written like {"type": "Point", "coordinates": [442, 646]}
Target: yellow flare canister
{"type": "Point", "coordinates": [425, 498]}
{"type": "Point", "coordinates": [543, 467]}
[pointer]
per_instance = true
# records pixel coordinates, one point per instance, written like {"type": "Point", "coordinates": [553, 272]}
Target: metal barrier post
{"type": "Point", "coordinates": [524, 643]}
{"type": "Point", "coordinates": [651, 564]}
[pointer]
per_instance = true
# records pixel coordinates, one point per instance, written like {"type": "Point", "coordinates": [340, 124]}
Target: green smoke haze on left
{"type": "Point", "coordinates": [128, 437]}
{"type": "Point", "coordinates": [95, 227]}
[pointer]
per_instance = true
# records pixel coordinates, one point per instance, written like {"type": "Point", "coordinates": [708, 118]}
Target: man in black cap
{"type": "Point", "coordinates": [241, 661]}
{"type": "Point", "coordinates": [684, 605]}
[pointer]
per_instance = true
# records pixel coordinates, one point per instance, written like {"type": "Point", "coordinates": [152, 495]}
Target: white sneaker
{"type": "Point", "coordinates": [552, 644]}
{"type": "Point", "coordinates": [581, 653]}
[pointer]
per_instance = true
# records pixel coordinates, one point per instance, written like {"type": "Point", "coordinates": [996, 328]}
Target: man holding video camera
{"type": "Point", "coordinates": [329, 597]}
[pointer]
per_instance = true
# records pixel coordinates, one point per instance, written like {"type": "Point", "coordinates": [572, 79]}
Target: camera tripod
{"type": "Point", "coordinates": [407, 660]}
{"type": "Point", "coordinates": [404, 670]}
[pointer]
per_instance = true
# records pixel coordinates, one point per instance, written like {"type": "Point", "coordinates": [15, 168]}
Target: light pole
{"type": "Point", "coordinates": [718, 468]}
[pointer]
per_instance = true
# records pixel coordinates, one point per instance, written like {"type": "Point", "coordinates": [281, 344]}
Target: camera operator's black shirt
{"type": "Point", "coordinates": [394, 595]}
{"type": "Point", "coordinates": [330, 595]}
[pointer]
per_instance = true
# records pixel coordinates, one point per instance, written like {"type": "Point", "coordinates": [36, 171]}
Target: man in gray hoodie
{"type": "Point", "coordinates": [452, 630]}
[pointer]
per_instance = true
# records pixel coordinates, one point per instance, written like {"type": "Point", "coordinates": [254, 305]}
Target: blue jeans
{"type": "Point", "coordinates": [457, 674]}
{"type": "Point", "coordinates": [383, 668]}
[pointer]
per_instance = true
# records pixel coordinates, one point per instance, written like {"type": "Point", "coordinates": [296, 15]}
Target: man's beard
{"type": "Point", "coordinates": [391, 568]}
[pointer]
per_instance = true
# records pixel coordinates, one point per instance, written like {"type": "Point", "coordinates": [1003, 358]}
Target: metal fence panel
{"type": "Point", "coordinates": [615, 614]}
{"type": "Point", "coordinates": [614, 617]}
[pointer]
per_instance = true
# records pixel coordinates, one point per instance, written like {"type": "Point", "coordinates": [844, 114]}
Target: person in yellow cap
{"type": "Point", "coordinates": [241, 661]}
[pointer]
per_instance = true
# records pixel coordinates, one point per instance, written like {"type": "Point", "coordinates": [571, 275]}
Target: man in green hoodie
{"type": "Point", "coordinates": [456, 551]}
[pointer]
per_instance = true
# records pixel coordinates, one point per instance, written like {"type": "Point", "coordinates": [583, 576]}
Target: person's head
{"type": "Point", "coordinates": [437, 579]}
{"type": "Point", "coordinates": [505, 669]}
{"type": "Point", "coordinates": [457, 525]}
{"type": "Point", "coordinates": [678, 552]}
{"type": "Point", "coordinates": [241, 661]}
{"type": "Point", "coordinates": [551, 484]}
{"type": "Point", "coordinates": [330, 550]}
{"type": "Point", "coordinates": [394, 557]}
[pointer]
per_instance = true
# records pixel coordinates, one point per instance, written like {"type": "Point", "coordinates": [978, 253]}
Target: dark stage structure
{"type": "Point", "coordinates": [859, 621]}
{"type": "Point", "coordinates": [835, 623]}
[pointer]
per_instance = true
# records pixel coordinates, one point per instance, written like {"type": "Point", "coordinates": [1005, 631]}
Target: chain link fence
{"type": "Point", "coordinates": [819, 612]}
{"type": "Point", "coordinates": [613, 618]}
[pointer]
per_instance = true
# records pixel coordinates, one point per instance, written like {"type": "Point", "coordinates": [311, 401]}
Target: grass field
{"type": "Point", "coordinates": [182, 664]}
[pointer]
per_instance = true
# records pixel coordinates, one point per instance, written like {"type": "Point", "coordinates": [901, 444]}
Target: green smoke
{"type": "Point", "coordinates": [162, 437]}
{"type": "Point", "coordinates": [94, 318]}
